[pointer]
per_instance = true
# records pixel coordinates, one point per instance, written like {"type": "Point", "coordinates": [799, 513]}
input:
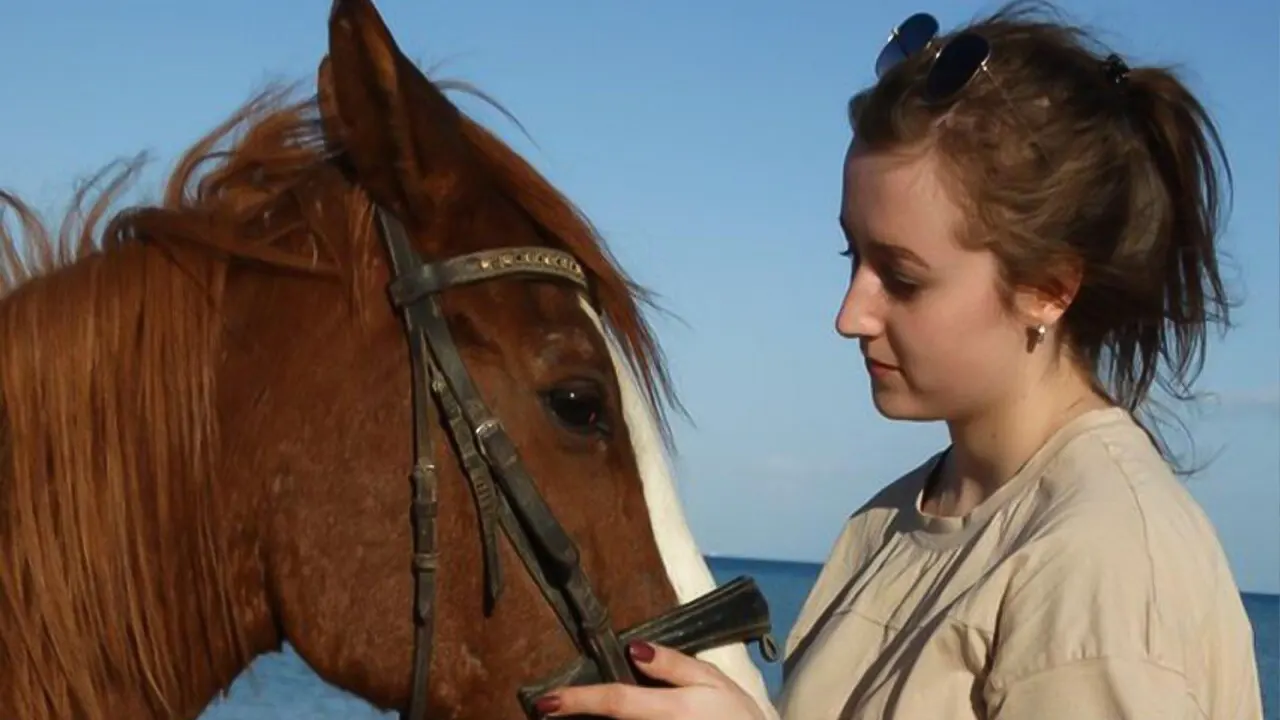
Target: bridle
{"type": "Point", "coordinates": [487, 453]}
{"type": "Point", "coordinates": [482, 444]}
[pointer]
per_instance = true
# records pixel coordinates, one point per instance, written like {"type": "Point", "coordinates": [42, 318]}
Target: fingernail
{"type": "Point", "coordinates": [641, 651]}
{"type": "Point", "coordinates": [546, 704]}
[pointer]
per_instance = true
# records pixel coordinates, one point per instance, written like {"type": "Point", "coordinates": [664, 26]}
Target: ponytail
{"type": "Point", "coordinates": [1176, 212]}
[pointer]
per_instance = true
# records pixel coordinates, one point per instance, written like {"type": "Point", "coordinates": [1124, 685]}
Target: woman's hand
{"type": "Point", "coordinates": [701, 691]}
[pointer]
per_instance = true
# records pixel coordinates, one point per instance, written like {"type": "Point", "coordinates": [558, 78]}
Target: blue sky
{"type": "Point", "coordinates": [705, 139]}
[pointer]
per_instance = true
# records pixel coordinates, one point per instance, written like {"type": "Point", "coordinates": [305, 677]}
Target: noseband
{"type": "Point", "coordinates": [736, 612]}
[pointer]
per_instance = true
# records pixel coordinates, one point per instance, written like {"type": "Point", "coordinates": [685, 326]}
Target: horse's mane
{"type": "Point", "coordinates": [109, 339]}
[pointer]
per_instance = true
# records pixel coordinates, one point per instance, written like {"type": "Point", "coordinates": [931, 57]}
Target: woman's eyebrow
{"type": "Point", "coordinates": [874, 245]}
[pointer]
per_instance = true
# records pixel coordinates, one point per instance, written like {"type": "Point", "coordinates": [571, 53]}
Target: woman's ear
{"type": "Point", "coordinates": [1045, 305]}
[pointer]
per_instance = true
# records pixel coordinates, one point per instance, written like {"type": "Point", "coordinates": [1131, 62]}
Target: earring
{"type": "Point", "coordinates": [1035, 336]}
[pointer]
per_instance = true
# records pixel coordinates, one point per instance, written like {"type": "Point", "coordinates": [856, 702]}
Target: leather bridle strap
{"type": "Point", "coordinates": [560, 557]}
{"type": "Point", "coordinates": [467, 450]}
{"type": "Point", "coordinates": [482, 443]}
{"type": "Point", "coordinates": [424, 503]}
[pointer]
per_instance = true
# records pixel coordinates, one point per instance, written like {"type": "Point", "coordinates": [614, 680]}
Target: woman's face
{"type": "Point", "coordinates": [938, 342]}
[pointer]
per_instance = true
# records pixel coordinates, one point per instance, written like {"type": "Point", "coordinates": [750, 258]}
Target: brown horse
{"type": "Point", "coordinates": [205, 413]}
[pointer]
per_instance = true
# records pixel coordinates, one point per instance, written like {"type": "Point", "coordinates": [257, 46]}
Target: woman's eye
{"type": "Point", "coordinates": [900, 287]}
{"type": "Point", "coordinates": [578, 406]}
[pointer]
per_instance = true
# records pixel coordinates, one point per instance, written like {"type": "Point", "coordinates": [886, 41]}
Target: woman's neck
{"type": "Point", "coordinates": [989, 448]}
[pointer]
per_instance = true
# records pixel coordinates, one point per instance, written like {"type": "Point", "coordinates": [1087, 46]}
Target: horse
{"type": "Point", "coordinates": [208, 413]}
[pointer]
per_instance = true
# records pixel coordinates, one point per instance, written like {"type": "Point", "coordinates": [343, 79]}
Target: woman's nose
{"type": "Point", "coordinates": [860, 311]}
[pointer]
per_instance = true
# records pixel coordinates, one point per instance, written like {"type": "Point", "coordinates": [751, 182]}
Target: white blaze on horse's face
{"type": "Point", "coordinates": [685, 565]}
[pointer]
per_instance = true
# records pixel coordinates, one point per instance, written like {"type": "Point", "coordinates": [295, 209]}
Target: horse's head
{"type": "Point", "coordinates": [209, 415]}
{"type": "Point", "coordinates": [337, 542]}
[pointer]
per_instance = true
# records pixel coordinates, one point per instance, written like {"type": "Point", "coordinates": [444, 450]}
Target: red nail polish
{"type": "Point", "coordinates": [546, 704]}
{"type": "Point", "coordinates": [642, 652]}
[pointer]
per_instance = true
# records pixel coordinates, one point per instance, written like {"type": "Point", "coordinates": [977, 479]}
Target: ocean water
{"type": "Point", "coordinates": [281, 685]}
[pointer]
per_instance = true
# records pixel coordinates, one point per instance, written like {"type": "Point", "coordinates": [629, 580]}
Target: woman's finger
{"type": "Point", "coordinates": [611, 700]}
{"type": "Point", "coordinates": [630, 702]}
{"type": "Point", "coordinates": [673, 667]}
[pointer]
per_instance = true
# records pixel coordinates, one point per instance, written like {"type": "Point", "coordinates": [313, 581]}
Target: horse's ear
{"type": "Point", "coordinates": [335, 133]}
{"type": "Point", "coordinates": [402, 135]}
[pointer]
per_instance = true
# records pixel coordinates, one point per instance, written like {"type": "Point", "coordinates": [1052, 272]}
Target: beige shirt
{"type": "Point", "coordinates": [1091, 585]}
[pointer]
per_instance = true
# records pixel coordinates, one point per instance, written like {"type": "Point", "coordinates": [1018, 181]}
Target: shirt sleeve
{"type": "Point", "coordinates": [1118, 602]}
{"type": "Point", "coordinates": [1116, 689]}
{"type": "Point", "coordinates": [1082, 632]}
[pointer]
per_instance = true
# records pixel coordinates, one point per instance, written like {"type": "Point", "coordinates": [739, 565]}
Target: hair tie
{"type": "Point", "coordinates": [1116, 70]}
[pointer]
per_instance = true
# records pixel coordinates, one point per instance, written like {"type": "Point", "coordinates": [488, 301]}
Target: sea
{"type": "Point", "coordinates": [281, 685]}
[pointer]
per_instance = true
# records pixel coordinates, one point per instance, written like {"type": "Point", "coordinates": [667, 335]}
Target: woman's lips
{"type": "Point", "coordinates": [878, 369]}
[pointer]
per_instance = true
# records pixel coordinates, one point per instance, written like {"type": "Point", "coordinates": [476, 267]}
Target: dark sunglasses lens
{"type": "Point", "coordinates": [955, 66]}
{"type": "Point", "coordinates": [908, 39]}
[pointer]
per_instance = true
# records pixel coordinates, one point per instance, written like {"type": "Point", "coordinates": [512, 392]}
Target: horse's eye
{"type": "Point", "coordinates": [579, 406]}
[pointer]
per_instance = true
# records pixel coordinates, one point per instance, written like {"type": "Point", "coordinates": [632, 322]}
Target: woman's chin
{"type": "Point", "coordinates": [897, 403]}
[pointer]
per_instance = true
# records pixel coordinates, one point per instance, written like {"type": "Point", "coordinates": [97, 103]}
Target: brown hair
{"type": "Point", "coordinates": [1064, 163]}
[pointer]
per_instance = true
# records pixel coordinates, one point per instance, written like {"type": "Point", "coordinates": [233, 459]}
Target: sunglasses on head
{"type": "Point", "coordinates": [955, 63]}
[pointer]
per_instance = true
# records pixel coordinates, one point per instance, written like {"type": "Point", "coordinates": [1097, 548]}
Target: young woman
{"type": "Point", "coordinates": [1032, 230]}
